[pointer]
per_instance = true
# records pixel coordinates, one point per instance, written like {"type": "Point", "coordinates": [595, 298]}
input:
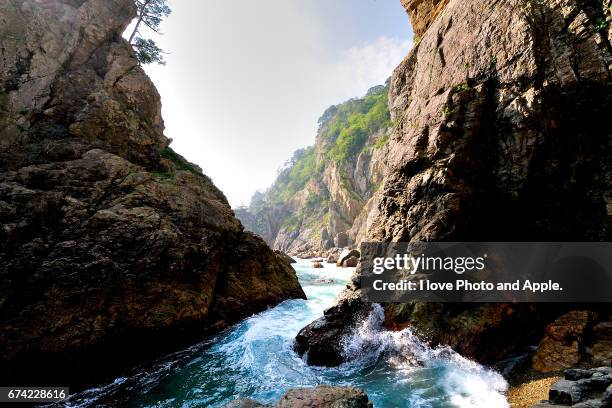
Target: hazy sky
{"type": "Point", "coordinates": [246, 81]}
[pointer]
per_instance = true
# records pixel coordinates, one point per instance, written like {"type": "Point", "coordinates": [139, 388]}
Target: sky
{"type": "Point", "coordinates": [246, 81]}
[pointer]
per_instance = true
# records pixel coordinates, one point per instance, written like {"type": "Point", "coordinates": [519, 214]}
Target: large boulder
{"type": "Point", "coordinates": [564, 341]}
{"type": "Point", "coordinates": [323, 339]}
{"type": "Point", "coordinates": [581, 388]}
{"type": "Point", "coordinates": [322, 396]}
{"type": "Point", "coordinates": [346, 254]}
{"type": "Point", "coordinates": [109, 239]}
{"type": "Point", "coordinates": [350, 262]}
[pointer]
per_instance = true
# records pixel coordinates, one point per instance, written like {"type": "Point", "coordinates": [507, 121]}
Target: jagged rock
{"type": "Point", "coordinates": [563, 342]}
{"type": "Point", "coordinates": [422, 13]}
{"type": "Point", "coordinates": [500, 134]}
{"type": "Point", "coordinates": [346, 254]}
{"type": "Point", "coordinates": [108, 237]}
{"type": "Point", "coordinates": [322, 340]}
{"type": "Point", "coordinates": [350, 262]}
{"type": "Point", "coordinates": [245, 403]}
{"type": "Point", "coordinates": [581, 388]}
{"type": "Point", "coordinates": [341, 240]}
{"type": "Point", "coordinates": [601, 349]}
{"type": "Point", "coordinates": [322, 396]}
{"type": "Point", "coordinates": [566, 392]}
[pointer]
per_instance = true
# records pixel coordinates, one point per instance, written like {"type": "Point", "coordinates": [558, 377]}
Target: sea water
{"type": "Point", "coordinates": [255, 359]}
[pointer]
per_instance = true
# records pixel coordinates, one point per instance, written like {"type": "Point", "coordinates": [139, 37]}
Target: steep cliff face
{"type": "Point", "coordinates": [501, 134]}
{"type": "Point", "coordinates": [323, 198]}
{"type": "Point", "coordinates": [113, 248]}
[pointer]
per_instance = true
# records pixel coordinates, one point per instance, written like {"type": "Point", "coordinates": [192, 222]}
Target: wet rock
{"type": "Point", "coordinates": [332, 259]}
{"type": "Point", "coordinates": [317, 265]}
{"type": "Point", "coordinates": [324, 396]}
{"type": "Point", "coordinates": [321, 342]}
{"type": "Point", "coordinates": [566, 392]}
{"type": "Point", "coordinates": [607, 397]}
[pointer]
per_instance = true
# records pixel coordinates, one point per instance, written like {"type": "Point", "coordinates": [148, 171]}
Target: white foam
{"type": "Point", "coordinates": [466, 383]}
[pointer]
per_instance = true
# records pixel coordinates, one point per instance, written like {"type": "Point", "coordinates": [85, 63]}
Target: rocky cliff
{"type": "Point", "coordinates": [323, 197]}
{"type": "Point", "coordinates": [501, 134]}
{"type": "Point", "coordinates": [113, 248]}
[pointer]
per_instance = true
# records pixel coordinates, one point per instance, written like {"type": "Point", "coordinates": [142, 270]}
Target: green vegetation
{"type": "Point", "coordinates": [294, 175]}
{"type": "Point", "coordinates": [601, 24]}
{"type": "Point", "coordinates": [163, 175]}
{"type": "Point", "coordinates": [292, 223]}
{"type": "Point", "coordinates": [343, 133]}
{"type": "Point", "coordinates": [179, 161]}
{"type": "Point", "coordinates": [348, 129]}
{"type": "Point", "coordinates": [149, 13]}
{"type": "Point", "coordinates": [381, 142]}
{"type": "Point", "coordinates": [462, 87]}
{"type": "Point", "coordinates": [448, 111]}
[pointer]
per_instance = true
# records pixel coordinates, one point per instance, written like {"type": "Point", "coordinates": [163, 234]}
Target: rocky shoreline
{"type": "Point", "coordinates": [322, 396]}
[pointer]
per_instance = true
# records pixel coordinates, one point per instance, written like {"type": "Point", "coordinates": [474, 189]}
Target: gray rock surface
{"type": "Point", "coordinates": [582, 388]}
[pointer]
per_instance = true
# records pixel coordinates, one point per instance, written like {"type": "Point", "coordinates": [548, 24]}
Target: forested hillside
{"type": "Point", "coordinates": [321, 197]}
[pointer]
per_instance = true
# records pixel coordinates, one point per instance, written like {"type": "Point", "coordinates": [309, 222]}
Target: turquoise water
{"type": "Point", "coordinates": [255, 359]}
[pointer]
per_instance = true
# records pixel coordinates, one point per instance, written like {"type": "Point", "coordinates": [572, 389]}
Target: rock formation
{"type": "Point", "coordinates": [576, 337]}
{"type": "Point", "coordinates": [322, 199]}
{"type": "Point", "coordinates": [113, 248]}
{"type": "Point", "coordinates": [581, 389]}
{"type": "Point", "coordinates": [322, 396]}
{"type": "Point", "coordinates": [501, 134]}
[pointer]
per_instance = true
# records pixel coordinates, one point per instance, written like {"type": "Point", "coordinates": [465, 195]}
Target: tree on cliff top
{"type": "Point", "coordinates": [150, 14]}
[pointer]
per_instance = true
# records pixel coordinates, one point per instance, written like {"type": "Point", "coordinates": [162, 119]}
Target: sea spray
{"type": "Point", "coordinates": [255, 359]}
{"type": "Point", "coordinates": [467, 384]}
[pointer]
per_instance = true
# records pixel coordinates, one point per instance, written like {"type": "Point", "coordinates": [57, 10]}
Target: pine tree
{"type": "Point", "coordinates": [150, 14]}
